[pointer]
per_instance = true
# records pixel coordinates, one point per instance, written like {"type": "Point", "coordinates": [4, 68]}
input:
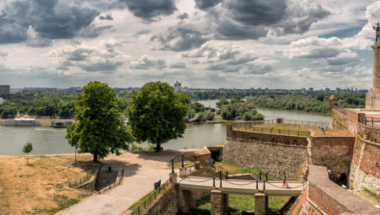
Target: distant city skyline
{"type": "Point", "coordinates": [285, 44]}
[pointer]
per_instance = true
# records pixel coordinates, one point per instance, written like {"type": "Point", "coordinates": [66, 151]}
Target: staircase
{"type": "Point", "coordinates": [105, 178]}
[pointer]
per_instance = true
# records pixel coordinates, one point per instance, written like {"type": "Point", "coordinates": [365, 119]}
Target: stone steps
{"type": "Point", "coordinates": [105, 178]}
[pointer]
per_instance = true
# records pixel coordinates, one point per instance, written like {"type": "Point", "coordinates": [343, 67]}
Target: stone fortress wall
{"type": "Point", "coordinates": [365, 164]}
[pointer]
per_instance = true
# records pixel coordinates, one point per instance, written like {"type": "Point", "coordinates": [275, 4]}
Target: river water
{"type": "Point", "coordinates": [48, 140]}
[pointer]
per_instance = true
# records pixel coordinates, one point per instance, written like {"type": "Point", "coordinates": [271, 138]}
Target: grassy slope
{"type": "Point", "coordinates": [41, 187]}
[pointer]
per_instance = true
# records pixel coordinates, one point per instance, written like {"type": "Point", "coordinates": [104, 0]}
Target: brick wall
{"type": "Point", "coordinates": [331, 198]}
{"type": "Point", "coordinates": [333, 152]}
{"type": "Point", "coordinates": [264, 137]}
{"type": "Point", "coordinates": [273, 158]}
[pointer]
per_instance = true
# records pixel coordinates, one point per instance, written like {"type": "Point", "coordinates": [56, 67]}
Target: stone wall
{"type": "Point", "coordinates": [333, 152]}
{"type": "Point", "coordinates": [166, 204]}
{"type": "Point", "coordinates": [365, 166]}
{"type": "Point", "coordinates": [90, 184]}
{"type": "Point", "coordinates": [364, 171]}
{"type": "Point", "coordinates": [217, 150]}
{"type": "Point", "coordinates": [266, 137]}
{"type": "Point", "coordinates": [274, 158]}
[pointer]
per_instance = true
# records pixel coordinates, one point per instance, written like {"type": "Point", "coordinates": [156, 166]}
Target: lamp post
{"type": "Point", "coordinates": [76, 146]}
{"type": "Point", "coordinates": [172, 165]}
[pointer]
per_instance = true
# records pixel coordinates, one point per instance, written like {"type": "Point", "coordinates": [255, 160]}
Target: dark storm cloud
{"type": "Point", "coordinates": [321, 53]}
{"type": "Point", "coordinates": [206, 4]}
{"type": "Point", "coordinates": [183, 16]}
{"type": "Point", "coordinates": [106, 17]}
{"type": "Point", "coordinates": [149, 9]}
{"type": "Point", "coordinates": [146, 63]}
{"type": "Point", "coordinates": [79, 54]}
{"type": "Point", "coordinates": [105, 66]}
{"type": "Point", "coordinates": [50, 19]}
{"type": "Point", "coordinates": [93, 31]}
{"type": "Point", "coordinates": [256, 12]}
{"type": "Point", "coordinates": [142, 32]}
{"type": "Point", "coordinates": [179, 65]}
{"type": "Point", "coordinates": [180, 38]}
{"type": "Point", "coordinates": [258, 70]}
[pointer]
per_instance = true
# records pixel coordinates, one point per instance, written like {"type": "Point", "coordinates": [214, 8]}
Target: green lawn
{"type": "Point", "coordinates": [244, 203]}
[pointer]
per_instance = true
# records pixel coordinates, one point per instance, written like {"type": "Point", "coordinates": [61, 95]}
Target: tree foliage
{"type": "Point", "coordinates": [238, 109]}
{"type": "Point", "coordinates": [28, 148]}
{"type": "Point", "coordinates": [157, 114]}
{"type": "Point", "coordinates": [100, 129]}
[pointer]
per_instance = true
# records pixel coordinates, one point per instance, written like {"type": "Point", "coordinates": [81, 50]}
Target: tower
{"type": "Point", "coordinates": [373, 95]}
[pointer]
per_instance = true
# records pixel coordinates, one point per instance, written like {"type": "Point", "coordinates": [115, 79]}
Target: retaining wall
{"type": "Point", "coordinates": [166, 204]}
{"type": "Point", "coordinates": [274, 158]}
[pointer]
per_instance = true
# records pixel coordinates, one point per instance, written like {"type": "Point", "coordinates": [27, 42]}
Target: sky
{"type": "Point", "coordinates": [286, 44]}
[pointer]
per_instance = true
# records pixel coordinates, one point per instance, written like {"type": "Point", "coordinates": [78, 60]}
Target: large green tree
{"type": "Point", "coordinates": [156, 113]}
{"type": "Point", "coordinates": [100, 129]}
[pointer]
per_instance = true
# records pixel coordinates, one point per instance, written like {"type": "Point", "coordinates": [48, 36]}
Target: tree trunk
{"type": "Point", "coordinates": [27, 159]}
{"type": "Point", "coordinates": [95, 158]}
{"type": "Point", "coordinates": [158, 147]}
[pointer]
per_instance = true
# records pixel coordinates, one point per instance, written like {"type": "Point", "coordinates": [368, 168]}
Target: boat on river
{"type": "Point", "coordinates": [21, 122]}
{"type": "Point", "coordinates": [60, 124]}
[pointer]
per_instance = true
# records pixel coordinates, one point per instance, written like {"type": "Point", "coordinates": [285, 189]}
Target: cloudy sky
{"type": "Point", "coordinates": [202, 43]}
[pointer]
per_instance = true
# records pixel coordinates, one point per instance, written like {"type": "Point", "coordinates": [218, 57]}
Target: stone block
{"type": "Point", "coordinates": [216, 202]}
{"type": "Point", "coordinates": [182, 172]}
{"type": "Point", "coordinates": [173, 178]}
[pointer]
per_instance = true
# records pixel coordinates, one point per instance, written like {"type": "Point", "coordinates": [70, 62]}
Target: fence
{"type": "Point", "coordinates": [369, 121]}
{"type": "Point", "coordinates": [81, 180]}
{"type": "Point", "coordinates": [274, 131]}
{"type": "Point", "coordinates": [254, 123]}
{"type": "Point", "coordinates": [301, 122]}
{"type": "Point", "coordinates": [140, 209]}
{"type": "Point", "coordinates": [342, 110]}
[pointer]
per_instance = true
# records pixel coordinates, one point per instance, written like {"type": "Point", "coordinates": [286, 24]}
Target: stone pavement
{"type": "Point", "coordinates": [141, 170]}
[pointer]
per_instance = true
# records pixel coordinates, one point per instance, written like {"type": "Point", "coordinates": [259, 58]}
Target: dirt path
{"type": "Point", "coordinates": [141, 170]}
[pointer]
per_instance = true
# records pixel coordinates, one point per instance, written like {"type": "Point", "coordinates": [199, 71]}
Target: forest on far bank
{"type": "Point", "coordinates": [63, 105]}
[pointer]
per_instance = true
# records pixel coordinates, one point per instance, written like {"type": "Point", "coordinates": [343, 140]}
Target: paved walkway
{"type": "Point", "coordinates": [141, 170]}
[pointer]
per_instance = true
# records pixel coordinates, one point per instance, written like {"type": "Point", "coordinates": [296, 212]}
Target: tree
{"type": "Point", "coordinates": [27, 149]}
{"type": "Point", "coordinates": [156, 113]}
{"type": "Point", "coordinates": [222, 101]}
{"type": "Point", "coordinates": [100, 129]}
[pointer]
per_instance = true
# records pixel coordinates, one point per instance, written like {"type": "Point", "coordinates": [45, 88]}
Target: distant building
{"type": "Point", "coordinates": [14, 91]}
{"type": "Point", "coordinates": [327, 90]}
{"type": "Point", "coordinates": [337, 90]}
{"type": "Point", "coordinates": [178, 87]}
{"type": "Point", "coordinates": [2, 101]}
{"type": "Point", "coordinates": [5, 89]}
{"type": "Point", "coordinates": [311, 90]}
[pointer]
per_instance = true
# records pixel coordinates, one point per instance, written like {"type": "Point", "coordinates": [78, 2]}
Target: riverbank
{"type": "Point", "coordinates": [44, 122]}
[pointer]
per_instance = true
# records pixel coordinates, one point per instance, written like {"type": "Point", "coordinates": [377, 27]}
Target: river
{"type": "Point", "coordinates": [48, 140]}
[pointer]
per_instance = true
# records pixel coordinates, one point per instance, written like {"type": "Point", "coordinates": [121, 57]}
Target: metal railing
{"type": "Point", "coordinates": [342, 110]}
{"type": "Point", "coordinates": [274, 131]}
{"type": "Point", "coordinates": [140, 209]}
{"type": "Point", "coordinates": [301, 122]}
{"type": "Point", "coordinates": [254, 123]}
{"type": "Point", "coordinates": [369, 121]}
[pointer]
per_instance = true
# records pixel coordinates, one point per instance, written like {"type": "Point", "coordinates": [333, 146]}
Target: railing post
{"type": "Point", "coordinates": [266, 176]}
{"type": "Point", "coordinates": [257, 184]}
{"type": "Point", "coordinates": [264, 185]}
{"type": "Point", "coordinates": [172, 165]}
{"type": "Point", "coordinates": [213, 181]}
{"type": "Point", "coordinates": [226, 175]}
{"type": "Point", "coordinates": [220, 182]}
{"type": "Point", "coordinates": [260, 176]}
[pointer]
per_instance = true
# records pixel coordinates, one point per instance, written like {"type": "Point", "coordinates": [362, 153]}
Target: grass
{"type": "Point", "coordinates": [136, 204]}
{"type": "Point", "coordinates": [281, 128]}
{"type": "Point", "coordinates": [41, 187]}
{"type": "Point", "coordinates": [244, 203]}
{"type": "Point", "coordinates": [148, 195]}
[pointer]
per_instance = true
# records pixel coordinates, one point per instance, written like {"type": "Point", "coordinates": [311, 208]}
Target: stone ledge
{"type": "Point", "coordinates": [332, 194]}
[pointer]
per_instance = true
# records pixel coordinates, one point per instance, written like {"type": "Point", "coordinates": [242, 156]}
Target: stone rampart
{"type": "Point", "coordinates": [166, 204]}
{"type": "Point", "coordinates": [266, 137]}
{"type": "Point", "coordinates": [273, 158]}
{"type": "Point", "coordinates": [333, 152]}
{"type": "Point", "coordinates": [365, 166]}
{"type": "Point", "coordinates": [364, 171]}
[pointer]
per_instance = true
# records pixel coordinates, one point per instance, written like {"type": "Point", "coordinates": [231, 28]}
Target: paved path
{"type": "Point", "coordinates": [141, 170]}
{"type": "Point", "coordinates": [245, 187]}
